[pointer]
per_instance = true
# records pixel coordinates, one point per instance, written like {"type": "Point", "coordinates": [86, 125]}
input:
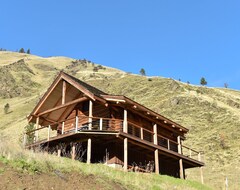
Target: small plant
{"type": "Point", "coordinates": [142, 72]}
{"type": "Point", "coordinates": [226, 85]}
{"type": "Point", "coordinates": [95, 69]}
{"type": "Point", "coordinates": [30, 136]}
{"type": "Point", "coordinates": [21, 50]}
{"type": "Point", "coordinates": [203, 81]}
{"type": "Point", "coordinates": [6, 108]}
{"type": "Point", "coordinates": [28, 51]}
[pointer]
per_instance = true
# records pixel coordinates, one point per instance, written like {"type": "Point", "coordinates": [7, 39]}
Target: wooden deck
{"type": "Point", "coordinates": [112, 127]}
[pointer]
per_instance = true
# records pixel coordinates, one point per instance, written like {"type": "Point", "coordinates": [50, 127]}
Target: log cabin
{"type": "Point", "coordinates": [111, 128]}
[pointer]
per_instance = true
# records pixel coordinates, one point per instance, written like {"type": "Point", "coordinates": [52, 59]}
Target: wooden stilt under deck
{"type": "Point", "coordinates": [156, 161]}
{"type": "Point", "coordinates": [59, 152]}
{"type": "Point", "coordinates": [89, 147]}
{"type": "Point", "coordinates": [125, 154]}
{"type": "Point", "coordinates": [181, 169]}
{"type": "Point", "coordinates": [181, 172]}
{"type": "Point", "coordinates": [73, 151]}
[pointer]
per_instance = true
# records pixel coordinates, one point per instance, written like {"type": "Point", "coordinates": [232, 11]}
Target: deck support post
{"type": "Point", "coordinates": [73, 151]}
{"type": "Point", "coordinates": [156, 161]}
{"type": "Point", "coordinates": [125, 124]}
{"type": "Point", "coordinates": [181, 172]}
{"type": "Point", "coordinates": [90, 114]}
{"type": "Point", "coordinates": [76, 125]}
{"type": "Point", "coordinates": [36, 132]}
{"type": "Point", "coordinates": [63, 125]}
{"type": "Point", "coordinates": [59, 152]}
{"type": "Point", "coordinates": [89, 147]}
{"type": "Point", "coordinates": [125, 164]}
{"type": "Point", "coordinates": [155, 140]}
{"type": "Point", "coordinates": [181, 169]}
{"type": "Point", "coordinates": [49, 128]}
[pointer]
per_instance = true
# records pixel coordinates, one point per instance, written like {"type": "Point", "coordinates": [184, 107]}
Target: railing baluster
{"type": "Point", "coordinates": [101, 124]}
{"type": "Point", "coordinates": [199, 157]}
{"type": "Point", "coordinates": [141, 133]}
{"type": "Point", "coordinates": [168, 144]}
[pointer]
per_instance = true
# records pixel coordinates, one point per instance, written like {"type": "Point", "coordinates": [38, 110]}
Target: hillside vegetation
{"type": "Point", "coordinates": [211, 114]}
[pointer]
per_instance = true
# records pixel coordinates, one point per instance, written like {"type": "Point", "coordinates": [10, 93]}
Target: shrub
{"type": "Point", "coordinates": [6, 108]}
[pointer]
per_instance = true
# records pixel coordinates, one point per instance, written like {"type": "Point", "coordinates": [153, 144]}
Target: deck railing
{"type": "Point", "coordinates": [82, 124]}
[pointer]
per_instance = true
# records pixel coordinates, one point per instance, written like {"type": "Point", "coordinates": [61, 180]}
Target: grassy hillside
{"type": "Point", "coordinates": [211, 114]}
{"type": "Point", "coordinates": [28, 170]}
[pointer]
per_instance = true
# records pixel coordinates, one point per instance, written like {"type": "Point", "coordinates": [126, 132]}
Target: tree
{"type": "Point", "coordinates": [6, 108]}
{"type": "Point", "coordinates": [28, 51]}
{"type": "Point", "coordinates": [30, 136]}
{"type": "Point", "coordinates": [226, 85]}
{"type": "Point", "coordinates": [203, 81]}
{"type": "Point", "coordinates": [21, 50]}
{"type": "Point", "coordinates": [142, 72]}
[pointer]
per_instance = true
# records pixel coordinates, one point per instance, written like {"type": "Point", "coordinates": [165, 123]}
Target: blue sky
{"type": "Point", "coordinates": [178, 39]}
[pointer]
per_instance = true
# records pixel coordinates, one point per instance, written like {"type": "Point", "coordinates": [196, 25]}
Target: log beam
{"type": "Point", "coordinates": [62, 106]}
{"type": "Point", "coordinates": [64, 92]}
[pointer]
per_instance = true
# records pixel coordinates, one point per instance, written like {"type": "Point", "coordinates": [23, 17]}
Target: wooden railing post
{"type": "Point", "coordinates": [90, 114]}
{"type": "Point", "coordinates": [179, 145]}
{"type": "Point", "coordinates": [155, 140]}
{"type": "Point", "coordinates": [101, 124]}
{"type": "Point", "coordinates": [49, 127]}
{"type": "Point", "coordinates": [199, 157]}
{"type": "Point", "coordinates": [125, 124]}
{"type": "Point", "coordinates": [190, 153]}
{"type": "Point", "coordinates": [168, 144]}
{"type": "Point", "coordinates": [76, 125]}
{"type": "Point", "coordinates": [141, 133]}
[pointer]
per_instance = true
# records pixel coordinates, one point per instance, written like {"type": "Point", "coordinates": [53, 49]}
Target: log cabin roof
{"type": "Point", "coordinates": [52, 98]}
